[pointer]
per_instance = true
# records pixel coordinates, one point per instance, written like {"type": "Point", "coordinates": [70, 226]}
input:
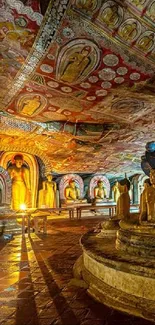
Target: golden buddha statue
{"type": "Point", "coordinates": [123, 202]}
{"type": "Point", "coordinates": [116, 192]}
{"type": "Point", "coordinates": [47, 195]}
{"type": "Point", "coordinates": [20, 177]}
{"type": "Point", "coordinates": [72, 193]}
{"type": "Point", "coordinates": [99, 192]}
{"type": "Point", "coordinates": [147, 208]}
{"type": "Point", "coordinates": [76, 65]}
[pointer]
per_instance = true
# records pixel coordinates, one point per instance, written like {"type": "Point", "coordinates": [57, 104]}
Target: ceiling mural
{"type": "Point", "coordinates": [19, 24]}
{"type": "Point", "coordinates": [77, 85]}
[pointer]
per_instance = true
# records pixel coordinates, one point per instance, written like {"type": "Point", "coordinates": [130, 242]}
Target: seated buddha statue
{"type": "Point", "coordinates": [99, 192]}
{"type": "Point", "coordinates": [147, 206]}
{"type": "Point", "coordinates": [72, 193]}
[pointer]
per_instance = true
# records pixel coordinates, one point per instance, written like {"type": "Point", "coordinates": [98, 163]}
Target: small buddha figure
{"type": "Point", "coordinates": [72, 193]}
{"type": "Point", "coordinates": [146, 42]}
{"type": "Point", "coordinates": [151, 10]}
{"type": "Point", "coordinates": [129, 31]}
{"type": "Point", "coordinates": [116, 192]}
{"type": "Point", "coordinates": [148, 200]}
{"type": "Point", "coordinates": [20, 177]}
{"type": "Point", "coordinates": [30, 106]}
{"type": "Point", "coordinates": [47, 195]}
{"type": "Point", "coordinates": [76, 65]}
{"type": "Point", "coordinates": [143, 205]}
{"type": "Point", "coordinates": [86, 4]}
{"type": "Point", "coordinates": [138, 2]}
{"type": "Point", "coordinates": [123, 202]}
{"type": "Point", "coordinates": [110, 15]}
{"type": "Point", "coordinates": [99, 192]}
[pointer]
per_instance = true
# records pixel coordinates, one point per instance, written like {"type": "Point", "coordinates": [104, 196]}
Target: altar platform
{"type": "Point", "coordinates": [34, 219]}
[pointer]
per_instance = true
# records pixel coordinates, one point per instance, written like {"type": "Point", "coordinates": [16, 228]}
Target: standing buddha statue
{"type": "Point", "coordinates": [148, 200]}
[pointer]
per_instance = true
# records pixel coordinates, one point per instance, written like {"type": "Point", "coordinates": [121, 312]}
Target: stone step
{"type": "Point", "coordinates": [10, 226]}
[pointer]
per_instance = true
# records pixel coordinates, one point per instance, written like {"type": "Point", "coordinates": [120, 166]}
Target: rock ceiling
{"type": "Point", "coordinates": [77, 83]}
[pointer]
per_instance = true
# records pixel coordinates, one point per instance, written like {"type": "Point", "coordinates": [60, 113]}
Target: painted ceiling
{"type": "Point", "coordinates": [77, 82]}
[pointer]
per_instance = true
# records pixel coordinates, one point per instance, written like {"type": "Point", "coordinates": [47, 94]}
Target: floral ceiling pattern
{"type": "Point", "coordinates": [77, 83]}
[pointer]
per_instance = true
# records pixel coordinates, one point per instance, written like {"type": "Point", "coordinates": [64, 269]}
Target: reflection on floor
{"type": "Point", "coordinates": [34, 281]}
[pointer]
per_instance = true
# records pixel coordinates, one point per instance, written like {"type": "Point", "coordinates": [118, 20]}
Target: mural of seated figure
{"type": "Point", "coordinates": [72, 193]}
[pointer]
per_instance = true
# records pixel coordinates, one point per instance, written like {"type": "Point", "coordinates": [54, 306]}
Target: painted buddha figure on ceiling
{"type": "Point", "coordinates": [76, 65]}
{"type": "Point", "coordinates": [20, 177]}
{"type": "Point", "coordinates": [146, 42]}
{"type": "Point", "coordinates": [129, 31]}
{"type": "Point", "coordinates": [86, 4]}
{"type": "Point", "coordinates": [72, 193]}
{"type": "Point", "coordinates": [138, 2]}
{"type": "Point", "coordinates": [148, 200]}
{"type": "Point", "coordinates": [30, 105]}
{"type": "Point", "coordinates": [99, 192]}
{"type": "Point", "coordinates": [110, 16]}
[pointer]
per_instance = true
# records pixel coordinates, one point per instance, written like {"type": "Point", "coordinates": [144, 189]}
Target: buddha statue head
{"type": "Point", "coordinates": [18, 159]}
{"type": "Point", "coordinates": [124, 185]}
{"type": "Point", "coordinates": [49, 177]}
{"type": "Point", "coordinates": [72, 184]}
{"type": "Point", "coordinates": [100, 184]}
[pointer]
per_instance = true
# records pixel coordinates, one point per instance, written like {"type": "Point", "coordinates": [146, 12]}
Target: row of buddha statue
{"type": "Point", "coordinates": [21, 192]}
{"type": "Point", "coordinates": [72, 192]}
{"type": "Point", "coordinates": [21, 189]}
{"type": "Point", "coordinates": [48, 195]}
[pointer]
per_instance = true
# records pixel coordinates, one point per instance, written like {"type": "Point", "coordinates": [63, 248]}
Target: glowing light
{"type": "Point", "coordinates": [23, 207]}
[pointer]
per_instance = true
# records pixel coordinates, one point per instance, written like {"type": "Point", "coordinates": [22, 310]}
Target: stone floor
{"type": "Point", "coordinates": [35, 275]}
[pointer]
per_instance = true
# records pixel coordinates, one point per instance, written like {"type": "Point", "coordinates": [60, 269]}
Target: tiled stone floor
{"type": "Point", "coordinates": [34, 281]}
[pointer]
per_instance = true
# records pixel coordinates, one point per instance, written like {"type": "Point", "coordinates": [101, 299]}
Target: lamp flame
{"type": "Point", "coordinates": [23, 207]}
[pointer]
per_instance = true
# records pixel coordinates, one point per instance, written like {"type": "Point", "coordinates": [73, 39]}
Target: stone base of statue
{"type": "Point", "coordinates": [136, 239]}
{"type": "Point", "coordinates": [99, 201]}
{"type": "Point", "coordinates": [109, 228]}
{"type": "Point", "coordinates": [78, 201]}
{"type": "Point", "coordinates": [10, 226]}
{"type": "Point", "coordinates": [8, 222]}
{"type": "Point", "coordinates": [117, 277]}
